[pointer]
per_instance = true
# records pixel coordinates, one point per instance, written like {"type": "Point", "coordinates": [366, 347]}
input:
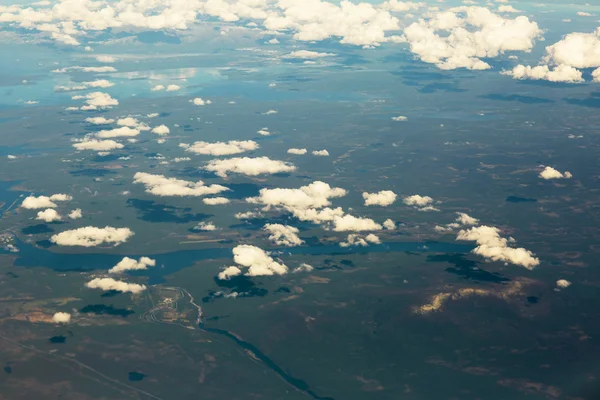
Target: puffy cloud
{"type": "Point", "coordinates": [173, 88]}
{"type": "Point", "coordinates": [584, 14]}
{"type": "Point", "coordinates": [401, 6]}
{"type": "Point", "coordinates": [249, 166]}
{"type": "Point", "coordinates": [320, 153]}
{"type": "Point", "coordinates": [561, 73]}
{"type": "Point", "coordinates": [264, 132]}
{"type": "Point", "coordinates": [508, 9]}
{"type": "Point", "coordinates": [91, 236]}
{"type": "Point", "coordinates": [220, 148]}
{"type": "Point", "coordinates": [32, 202]}
{"type": "Point", "coordinates": [99, 120]}
{"type": "Point", "coordinates": [49, 215]}
{"type": "Point", "coordinates": [577, 49]}
{"type": "Point", "coordinates": [11, 157]}
{"type": "Point", "coordinates": [123, 131]}
{"type": "Point", "coordinates": [421, 203]}
{"type": "Point", "coordinates": [382, 198]}
{"type": "Point", "coordinates": [297, 151]}
{"type": "Point", "coordinates": [161, 130]}
{"type": "Point", "coordinates": [102, 69]}
{"type": "Point", "coordinates": [551, 173]}
{"type": "Point", "coordinates": [358, 240]}
{"type": "Point", "coordinates": [258, 262]}
{"type": "Point", "coordinates": [158, 88]}
{"type": "Point", "coordinates": [494, 247]}
{"type": "Point", "coordinates": [303, 268]}
{"type": "Point", "coordinates": [215, 201]}
{"type": "Point", "coordinates": [130, 264]}
{"type": "Point", "coordinates": [460, 37]}
{"type": "Point", "coordinates": [200, 102]}
{"type": "Point", "coordinates": [389, 224]}
{"type": "Point", "coordinates": [160, 185]}
{"type": "Point", "coordinates": [596, 75]}
{"type": "Point", "coordinates": [152, 115]}
{"type": "Point", "coordinates": [229, 272]}
{"type": "Point", "coordinates": [75, 214]}
{"type": "Point", "coordinates": [97, 100]}
{"type": "Point", "coordinates": [563, 283]}
{"type": "Point", "coordinates": [98, 145]}
{"type": "Point", "coordinates": [112, 284]}
{"type": "Point", "coordinates": [400, 118]}
{"type": "Point", "coordinates": [100, 83]}
{"type": "Point", "coordinates": [465, 219]}
{"type": "Point", "coordinates": [355, 224]}
{"type": "Point", "coordinates": [283, 235]}
{"type": "Point", "coordinates": [127, 121]}
{"type": "Point", "coordinates": [306, 54]}
{"type": "Point", "coordinates": [105, 59]}
{"type": "Point", "coordinates": [270, 112]}
{"type": "Point", "coordinates": [205, 226]}
{"type": "Point", "coordinates": [248, 215]}
{"type": "Point", "coordinates": [61, 318]}
{"type": "Point", "coordinates": [314, 195]}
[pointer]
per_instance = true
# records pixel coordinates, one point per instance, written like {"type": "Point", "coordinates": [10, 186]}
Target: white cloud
{"type": "Point", "coordinates": [465, 219]}
{"type": "Point", "coordinates": [422, 203]}
{"type": "Point", "coordinates": [389, 224]}
{"type": "Point", "coordinates": [173, 88]}
{"type": "Point", "coordinates": [561, 73]}
{"type": "Point", "coordinates": [61, 318]}
{"type": "Point", "coordinates": [320, 153]}
{"type": "Point", "coordinates": [159, 185]}
{"type": "Point", "coordinates": [91, 236]}
{"type": "Point", "coordinates": [249, 166]}
{"type": "Point", "coordinates": [551, 173]}
{"type": "Point", "coordinates": [382, 198]}
{"type": "Point", "coordinates": [461, 36]}
{"type": "Point", "coordinates": [100, 83]}
{"type": "Point", "coordinates": [181, 159]}
{"type": "Point", "coordinates": [98, 145]}
{"type": "Point", "coordinates": [215, 201]}
{"type": "Point", "coordinates": [401, 6]}
{"type": "Point", "coordinates": [359, 240]}
{"type": "Point", "coordinates": [75, 214]}
{"type": "Point", "coordinates": [161, 130]}
{"type": "Point", "coordinates": [130, 264]}
{"type": "Point", "coordinates": [97, 100]}
{"type": "Point", "coordinates": [355, 224]}
{"type": "Point", "coordinates": [563, 283]}
{"type": "Point", "coordinates": [200, 102]}
{"type": "Point", "coordinates": [112, 284]}
{"type": "Point", "coordinates": [99, 120]}
{"type": "Point", "coordinates": [270, 112]}
{"type": "Point", "coordinates": [578, 50]}
{"type": "Point", "coordinates": [508, 9]}
{"type": "Point", "coordinates": [400, 118]}
{"type": "Point", "coordinates": [306, 54]}
{"type": "Point", "coordinates": [205, 226]}
{"type": "Point", "coordinates": [229, 272]}
{"type": "Point", "coordinates": [258, 262]}
{"type": "Point", "coordinates": [283, 235]}
{"type": "Point", "coordinates": [494, 247]}
{"type": "Point", "coordinates": [33, 203]}
{"type": "Point", "coordinates": [158, 88]}
{"type": "Point", "coordinates": [220, 148]}
{"type": "Point", "coordinates": [314, 195]}
{"type": "Point", "coordinates": [49, 215]}
{"type": "Point", "coordinates": [303, 268]}
{"type": "Point", "coordinates": [248, 215]}
{"type": "Point", "coordinates": [128, 121]}
{"type": "Point", "coordinates": [123, 131]}
{"type": "Point", "coordinates": [297, 151]}
{"type": "Point", "coordinates": [584, 14]}
{"type": "Point", "coordinates": [11, 157]}
{"type": "Point", "coordinates": [102, 69]}
{"type": "Point", "coordinates": [152, 115]}
{"type": "Point", "coordinates": [105, 59]}
{"type": "Point", "coordinates": [264, 132]}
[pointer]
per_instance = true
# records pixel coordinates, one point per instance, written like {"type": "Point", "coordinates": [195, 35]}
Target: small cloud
{"type": "Point", "coordinates": [320, 153]}
{"type": "Point", "coordinates": [221, 148]}
{"type": "Point", "coordinates": [130, 264]}
{"type": "Point", "coordinates": [354, 239]}
{"type": "Point", "coordinates": [49, 215]}
{"type": "Point", "coordinates": [106, 59]}
{"type": "Point", "coordinates": [161, 130]}
{"type": "Point", "coordinates": [173, 88]}
{"type": "Point", "coordinates": [214, 201]}
{"type": "Point", "coordinates": [99, 120]}
{"type": "Point", "coordinates": [249, 166]}
{"type": "Point", "coordinates": [75, 214]}
{"type": "Point", "coordinates": [563, 283]}
{"type": "Point", "coordinates": [303, 268]}
{"type": "Point", "coordinates": [91, 236]}
{"type": "Point", "coordinates": [11, 157]}
{"type": "Point", "coordinates": [283, 235]}
{"type": "Point", "coordinates": [200, 102]}
{"type": "Point", "coordinates": [98, 145]}
{"type": "Point", "coordinates": [297, 151]}
{"type": "Point", "coordinates": [382, 198]}
{"type": "Point", "coordinates": [158, 88]}
{"type": "Point", "coordinates": [32, 202]}
{"type": "Point", "coordinates": [107, 284]}
{"type": "Point", "coordinates": [264, 132]}
{"type": "Point", "coordinates": [61, 318]}
{"type": "Point", "coordinates": [400, 118]}
{"type": "Point", "coordinates": [306, 54]}
{"type": "Point", "coordinates": [205, 227]}
{"type": "Point", "coordinates": [389, 224]}
{"type": "Point", "coordinates": [270, 112]}
{"type": "Point", "coordinates": [551, 173]}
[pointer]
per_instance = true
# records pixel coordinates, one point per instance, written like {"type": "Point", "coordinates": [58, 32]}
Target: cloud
{"type": "Point", "coordinates": [382, 198]}
{"type": "Point", "coordinates": [355, 224]}
{"type": "Point", "coordinates": [61, 318]}
{"type": "Point", "coordinates": [561, 73]}
{"type": "Point", "coordinates": [508, 9]}
{"type": "Point", "coordinates": [205, 226]}
{"type": "Point", "coordinates": [32, 202]}
{"type": "Point", "coordinates": [307, 55]}
{"type": "Point", "coordinates": [248, 215]}
{"type": "Point", "coordinates": [563, 283]}
{"type": "Point", "coordinates": [297, 151]}
{"type": "Point", "coordinates": [465, 219]}
{"type": "Point", "coordinates": [258, 262]}
{"type": "Point", "coordinates": [127, 121]}
{"type": "Point", "coordinates": [249, 166]}
{"type": "Point", "coordinates": [105, 59]}
{"type": "Point", "coordinates": [181, 159]}
{"type": "Point", "coordinates": [112, 284]}
{"type": "Point", "coordinates": [49, 215]}
{"type": "Point", "coordinates": [400, 118]}
{"type": "Point", "coordinates": [161, 130]}
{"type": "Point", "coordinates": [584, 14]}
{"type": "Point", "coordinates": [158, 88]}
{"type": "Point", "coordinates": [577, 49]}
{"type": "Point", "coordinates": [270, 112]}
{"type": "Point", "coordinates": [229, 272]}
{"type": "Point", "coordinates": [123, 131]}
{"type": "Point", "coordinates": [551, 173]}
{"type": "Point", "coordinates": [102, 69]}
{"type": "Point", "coordinates": [200, 102]}
{"type": "Point", "coordinates": [97, 100]}
{"type": "Point", "coordinates": [283, 235]}
{"type": "Point", "coordinates": [462, 36]}
{"type": "Point", "coordinates": [303, 268]}
{"type": "Point", "coordinates": [315, 195]}
{"type": "Point", "coordinates": [264, 132]}
{"type": "Point", "coordinates": [214, 201]}
{"type": "Point", "coordinates": [100, 83]}
{"type": "Point", "coordinates": [173, 88]}
{"type": "Point", "coordinates": [11, 157]}
{"type": "Point", "coordinates": [98, 145]}
{"type": "Point", "coordinates": [320, 153]}
{"type": "Point", "coordinates": [358, 240]}
{"type": "Point", "coordinates": [99, 120]}
{"type": "Point", "coordinates": [160, 185]}
{"type": "Point", "coordinates": [220, 148]}
{"type": "Point", "coordinates": [91, 236]}
{"type": "Point", "coordinates": [75, 214]}
{"type": "Point", "coordinates": [152, 115]}
{"type": "Point", "coordinates": [389, 224]}
{"type": "Point", "coordinates": [130, 264]}
{"type": "Point", "coordinates": [494, 247]}
{"type": "Point", "coordinates": [421, 203]}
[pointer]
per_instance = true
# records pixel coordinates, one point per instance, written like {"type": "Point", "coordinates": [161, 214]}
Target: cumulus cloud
{"type": "Point", "coordinates": [283, 235]}
{"type": "Point", "coordinates": [105, 59]}
{"type": "Point", "coordinates": [258, 262]}
{"type": "Point", "coordinates": [130, 264]}
{"type": "Point", "coordinates": [91, 236]}
{"type": "Point", "coordinates": [320, 153]}
{"type": "Point", "coordinates": [400, 118]}
{"type": "Point", "coordinates": [205, 226]}
{"type": "Point", "coordinates": [494, 247]}
{"type": "Point", "coordinates": [220, 148]}
{"type": "Point", "coordinates": [11, 157]}
{"type": "Point", "coordinates": [359, 240]}
{"type": "Point", "coordinates": [98, 145]}
{"type": "Point", "coordinates": [229, 272]}
{"type": "Point", "coordinates": [160, 185]}
{"type": "Point", "coordinates": [465, 219]}
{"type": "Point", "coordinates": [389, 224]}
{"type": "Point", "coordinates": [161, 130]}
{"type": "Point", "coordinates": [577, 49]}
{"type": "Point", "coordinates": [75, 214]}
{"type": "Point", "coordinates": [248, 215]}
{"type": "Point", "coordinates": [99, 120]}
{"type": "Point", "coordinates": [158, 88]}
{"type": "Point", "coordinates": [249, 166]}
{"type": "Point", "coordinates": [173, 88]}
{"type": "Point", "coordinates": [382, 198]}
{"type": "Point", "coordinates": [297, 151]}
{"type": "Point", "coordinates": [563, 283]}
{"type": "Point", "coordinates": [128, 121]}
{"type": "Point", "coordinates": [123, 131]}
{"type": "Point", "coordinates": [97, 100]}
{"type": "Point", "coordinates": [102, 69]}
{"type": "Point", "coordinates": [355, 224]}
{"type": "Point", "coordinates": [32, 202]}
{"type": "Point", "coordinates": [61, 318]}
{"type": "Point", "coordinates": [306, 54]}
{"type": "Point", "coordinates": [561, 73]}
{"type": "Point", "coordinates": [264, 132]}
{"type": "Point", "coordinates": [99, 83]}
{"type": "Point", "coordinates": [303, 268]}
{"type": "Point", "coordinates": [508, 9]}
{"type": "Point", "coordinates": [112, 284]}
{"type": "Point", "coordinates": [49, 215]}
{"type": "Point", "coordinates": [551, 173]}
{"type": "Point", "coordinates": [314, 195]}
{"type": "Point", "coordinates": [215, 201]}
{"type": "Point", "coordinates": [198, 101]}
